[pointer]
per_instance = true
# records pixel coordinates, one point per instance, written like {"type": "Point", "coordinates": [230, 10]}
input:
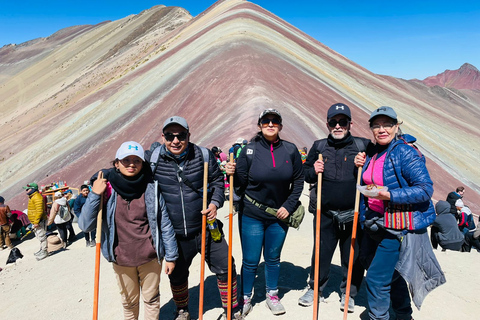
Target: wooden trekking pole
{"type": "Point", "coordinates": [317, 244]}
{"type": "Point", "coordinates": [230, 245]}
{"type": "Point", "coordinates": [97, 254]}
{"type": "Point", "coordinates": [352, 246]}
{"type": "Point", "coordinates": [204, 231]}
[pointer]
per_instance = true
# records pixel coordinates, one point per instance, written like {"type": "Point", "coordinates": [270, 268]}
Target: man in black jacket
{"type": "Point", "coordinates": [178, 167]}
{"type": "Point", "coordinates": [339, 176]}
{"type": "Point", "coordinates": [452, 197]}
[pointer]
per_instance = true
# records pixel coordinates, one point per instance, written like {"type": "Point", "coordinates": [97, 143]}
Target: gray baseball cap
{"type": "Point", "coordinates": [383, 111]}
{"type": "Point", "coordinates": [175, 120]}
{"type": "Point", "coordinates": [269, 111]}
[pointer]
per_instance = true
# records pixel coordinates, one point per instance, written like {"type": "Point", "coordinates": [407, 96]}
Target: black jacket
{"type": "Point", "coordinates": [339, 175]}
{"type": "Point", "coordinates": [183, 203]}
{"type": "Point", "coordinates": [273, 178]}
{"type": "Point", "coordinates": [452, 197]}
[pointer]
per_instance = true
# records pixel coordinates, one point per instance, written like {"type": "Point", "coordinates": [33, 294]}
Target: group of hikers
{"type": "Point", "coordinates": [153, 206]}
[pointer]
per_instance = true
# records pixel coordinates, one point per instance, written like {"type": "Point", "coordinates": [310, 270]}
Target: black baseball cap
{"type": "Point", "coordinates": [339, 108]}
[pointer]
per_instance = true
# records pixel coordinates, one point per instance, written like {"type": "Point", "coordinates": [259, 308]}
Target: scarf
{"type": "Point", "coordinates": [129, 188]}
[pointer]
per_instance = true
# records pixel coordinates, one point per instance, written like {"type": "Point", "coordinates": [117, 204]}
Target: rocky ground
{"type": "Point", "coordinates": [61, 286]}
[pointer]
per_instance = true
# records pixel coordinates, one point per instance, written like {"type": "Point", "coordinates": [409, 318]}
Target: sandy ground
{"type": "Point", "coordinates": [61, 286]}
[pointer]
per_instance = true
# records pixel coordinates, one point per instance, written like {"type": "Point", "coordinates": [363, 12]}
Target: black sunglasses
{"type": "Point", "coordinates": [182, 136]}
{"type": "Point", "coordinates": [342, 122]}
{"type": "Point", "coordinates": [273, 121]}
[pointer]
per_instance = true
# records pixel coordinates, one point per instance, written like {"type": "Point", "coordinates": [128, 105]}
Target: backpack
{"type": "Point", "coordinates": [237, 149]}
{"type": "Point", "coordinates": [63, 213]}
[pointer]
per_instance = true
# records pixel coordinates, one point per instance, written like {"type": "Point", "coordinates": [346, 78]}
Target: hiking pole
{"type": "Point", "coordinates": [317, 244]}
{"type": "Point", "coordinates": [230, 232]}
{"type": "Point", "coordinates": [97, 254]}
{"type": "Point", "coordinates": [352, 246]}
{"type": "Point", "coordinates": [204, 231]}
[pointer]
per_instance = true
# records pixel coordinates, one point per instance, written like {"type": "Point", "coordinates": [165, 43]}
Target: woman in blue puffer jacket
{"type": "Point", "coordinates": [395, 220]}
{"type": "Point", "coordinates": [137, 234]}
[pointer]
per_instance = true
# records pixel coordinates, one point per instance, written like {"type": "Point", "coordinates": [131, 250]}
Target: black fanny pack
{"type": "Point", "coordinates": [342, 217]}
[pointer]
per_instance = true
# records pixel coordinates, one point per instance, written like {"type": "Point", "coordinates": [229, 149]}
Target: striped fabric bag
{"type": "Point", "coordinates": [399, 217]}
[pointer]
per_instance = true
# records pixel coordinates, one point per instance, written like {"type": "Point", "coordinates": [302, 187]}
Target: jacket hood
{"type": "Point", "coordinates": [62, 201]}
{"type": "Point", "coordinates": [442, 207]}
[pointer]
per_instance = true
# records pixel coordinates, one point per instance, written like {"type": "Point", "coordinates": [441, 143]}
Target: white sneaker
{"type": "Point", "coordinates": [273, 303]}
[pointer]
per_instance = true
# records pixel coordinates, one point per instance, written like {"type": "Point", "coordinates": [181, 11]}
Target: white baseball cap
{"type": "Point", "coordinates": [130, 148]}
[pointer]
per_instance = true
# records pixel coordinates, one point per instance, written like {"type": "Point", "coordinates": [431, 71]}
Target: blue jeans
{"type": "Point", "coordinates": [257, 234]}
{"type": "Point", "coordinates": [384, 283]}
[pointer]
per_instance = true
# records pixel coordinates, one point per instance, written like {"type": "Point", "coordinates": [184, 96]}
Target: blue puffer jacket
{"type": "Point", "coordinates": [161, 227]}
{"type": "Point", "coordinates": [408, 181]}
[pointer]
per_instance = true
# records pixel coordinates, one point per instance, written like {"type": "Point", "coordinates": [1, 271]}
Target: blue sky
{"type": "Point", "coordinates": [406, 39]}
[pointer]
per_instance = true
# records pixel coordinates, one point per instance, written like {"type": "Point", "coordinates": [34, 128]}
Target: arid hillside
{"type": "Point", "coordinates": [68, 101]}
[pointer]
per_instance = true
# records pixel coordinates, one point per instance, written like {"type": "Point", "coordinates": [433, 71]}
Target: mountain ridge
{"type": "Point", "coordinates": [68, 109]}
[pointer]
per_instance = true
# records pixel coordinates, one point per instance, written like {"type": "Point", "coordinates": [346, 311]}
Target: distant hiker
{"type": "Point", "coordinates": [38, 217]}
{"type": "Point", "coordinates": [219, 155]}
{"type": "Point", "coordinates": [395, 247]}
{"type": "Point", "coordinates": [237, 147]}
{"type": "Point", "coordinates": [77, 209]}
{"type": "Point", "coordinates": [68, 194]}
{"type": "Point", "coordinates": [444, 230]}
{"type": "Point", "coordinates": [339, 177]}
{"type": "Point", "coordinates": [465, 217]}
{"type": "Point", "coordinates": [178, 167]}
{"type": "Point", "coordinates": [270, 172]}
{"type": "Point", "coordinates": [5, 214]}
{"type": "Point", "coordinates": [452, 197]}
{"type": "Point", "coordinates": [60, 214]}
{"type": "Point", "coordinates": [137, 234]}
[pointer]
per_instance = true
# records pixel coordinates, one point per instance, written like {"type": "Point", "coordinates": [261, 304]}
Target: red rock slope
{"type": "Point", "coordinates": [67, 105]}
{"type": "Point", "coordinates": [467, 77]}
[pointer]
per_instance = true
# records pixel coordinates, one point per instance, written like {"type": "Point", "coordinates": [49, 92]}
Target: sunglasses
{"type": "Point", "coordinates": [265, 122]}
{"type": "Point", "coordinates": [342, 122]}
{"type": "Point", "coordinates": [182, 136]}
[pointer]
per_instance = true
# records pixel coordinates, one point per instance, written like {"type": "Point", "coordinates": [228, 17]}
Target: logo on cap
{"type": "Point", "coordinates": [132, 147]}
{"type": "Point", "coordinates": [338, 107]}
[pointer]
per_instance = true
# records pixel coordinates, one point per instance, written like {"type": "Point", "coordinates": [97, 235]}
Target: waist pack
{"type": "Point", "coordinates": [399, 217]}
{"type": "Point", "coordinates": [293, 220]}
{"type": "Point", "coordinates": [342, 217]}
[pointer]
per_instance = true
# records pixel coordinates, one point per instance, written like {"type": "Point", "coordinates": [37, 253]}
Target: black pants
{"type": "Point", "coordinates": [216, 257]}
{"type": "Point", "coordinates": [330, 235]}
{"type": "Point", "coordinates": [62, 231]}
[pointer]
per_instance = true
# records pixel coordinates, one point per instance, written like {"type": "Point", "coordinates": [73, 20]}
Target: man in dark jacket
{"type": "Point", "coordinates": [445, 230]}
{"type": "Point", "coordinates": [178, 166]}
{"type": "Point", "coordinates": [452, 197]}
{"type": "Point", "coordinates": [77, 209]}
{"type": "Point", "coordinates": [339, 176]}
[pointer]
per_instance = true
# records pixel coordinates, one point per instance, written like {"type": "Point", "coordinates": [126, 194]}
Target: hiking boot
{"type": "Point", "coordinates": [247, 305]}
{"type": "Point", "coordinates": [93, 243]}
{"type": "Point", "coordinates": [351, 304]}
{"type": "Point", "coordinates": [42, 255]}
{"type": "Point", "coordinates": [273, 303]}
{"type": "Point", "coordinates": [37, 253]}
{"type": "Point", "coordinates": [182, 315]}
{"type": "Point", "coordinates": [88, 244]}
{"type": "Point", "coordinates": [307, 299]}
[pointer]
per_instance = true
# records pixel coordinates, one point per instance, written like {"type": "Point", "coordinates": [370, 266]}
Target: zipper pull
{"type": "Point", "coordinates": [128, 205]}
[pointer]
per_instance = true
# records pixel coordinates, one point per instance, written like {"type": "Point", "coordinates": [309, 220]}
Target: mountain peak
{"type": "Point", "coordinates": [466, 77]}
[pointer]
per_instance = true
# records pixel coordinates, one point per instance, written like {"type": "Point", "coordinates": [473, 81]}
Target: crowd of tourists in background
{"type": "Point", "coordinates": [153, 215]}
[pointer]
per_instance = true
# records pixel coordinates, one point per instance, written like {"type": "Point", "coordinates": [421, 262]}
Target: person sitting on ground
{"type": "Point", "coordinates": [444, 229]}
{"type": "Point", "coordinates": [5, 213]}
{"type": "Point", "coordinates": [452, 197]}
